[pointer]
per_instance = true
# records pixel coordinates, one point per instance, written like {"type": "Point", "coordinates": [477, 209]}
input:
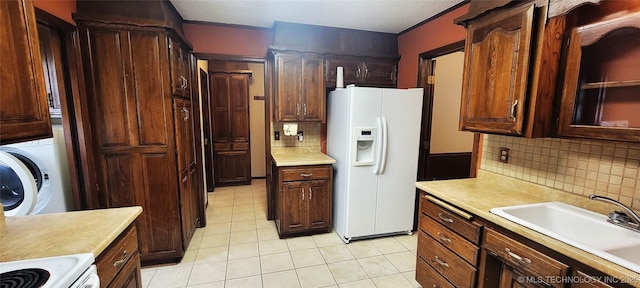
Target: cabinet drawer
{"type": "Point", "coordinates": [298, 174]}
{"type": "Point", "coordinates": [519, 255]}
{"type": "Point", "coordinates": [111, 261]}
{"type": "Point", "coordinates": [427, 277]}
{"type": "Point", "coordinates": [448, 264]}
{"type": "Point", "coordinates": [465, 249]}
{"type": "Point", "coordinates": [451, 220]}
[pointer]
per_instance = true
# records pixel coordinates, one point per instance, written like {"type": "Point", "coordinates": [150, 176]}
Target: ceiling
{"type": "Point", "coordinates": [391, 16]}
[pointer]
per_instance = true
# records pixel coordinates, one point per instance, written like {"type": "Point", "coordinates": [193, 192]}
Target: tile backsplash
{"type": "Point", "coordinates": [311, 135]}
{"type": "Point", "coordinates": [581, 167]}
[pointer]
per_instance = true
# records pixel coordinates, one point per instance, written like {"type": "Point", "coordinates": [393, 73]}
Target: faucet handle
{"type": "Point", "coordinates": [619, 217]}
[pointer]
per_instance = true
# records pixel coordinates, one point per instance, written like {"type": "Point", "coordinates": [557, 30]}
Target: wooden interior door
{"type": "Point", "coordinates": [229, 94]}
{"type": "Point", "coordinates": [207, 129]}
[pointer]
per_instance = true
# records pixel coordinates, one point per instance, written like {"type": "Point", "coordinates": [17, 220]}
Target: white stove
{"type": "Point", "coordinates": [53, 272]}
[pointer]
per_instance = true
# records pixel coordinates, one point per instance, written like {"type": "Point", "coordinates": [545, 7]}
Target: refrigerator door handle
{"type": "Point", "coordinates": [376, 170]}
{"type": "Point", "coordinates": [385, 141]}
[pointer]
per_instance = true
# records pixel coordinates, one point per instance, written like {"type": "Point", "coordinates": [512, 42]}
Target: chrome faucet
{"type": "Point", "coordinates": [629, 220]}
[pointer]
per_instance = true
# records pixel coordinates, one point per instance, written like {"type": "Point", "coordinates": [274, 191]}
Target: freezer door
{"type": "Point", "coordinates": [402, 110]}
{"type": "Point", "coordinates": [361, 186]}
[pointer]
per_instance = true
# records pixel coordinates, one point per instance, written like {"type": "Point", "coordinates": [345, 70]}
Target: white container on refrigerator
{"type": "Point", "coordinates": [374, 135]}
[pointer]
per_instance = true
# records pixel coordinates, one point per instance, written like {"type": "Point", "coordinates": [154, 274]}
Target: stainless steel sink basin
{"type": "Point", "coordinates": [580, 228]}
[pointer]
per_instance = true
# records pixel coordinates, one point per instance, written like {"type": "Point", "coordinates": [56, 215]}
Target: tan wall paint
{"type": "Point", "coordinates": [445, 137]}
{"type": "Point", "coordinates": [256, 119]}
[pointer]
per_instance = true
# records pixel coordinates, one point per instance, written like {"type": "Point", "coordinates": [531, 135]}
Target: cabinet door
{"type": "Point", "coordinates": [511, 278]}
{"type": "Point", "coordinates": [131, 119]}
{"type": "Point", "coordinates": [586, 281]}
{"type": "Point", "coordinates": [601, 93]}
{"type": "Point", "coordinates": [183, 122]}
{"type": "Point", "coordinates": [239, 108]}
{"type": "Point", "coordinates": [292, 207]}
{"type": "Point", "coordinates": [380, 71]}
{"type": "Point", "coordinates": [289, 89]}
{"type": "Point", "coordinates": [318, 204]}
{"type": "Point", "coordinates": [180, 79]}
{"type": "Point", "coordinates": [497, 54]}
{"type": "Point", "coordinates": [184, 133]}
{"type": "Point", "coordinates": [313, 92]}
{"type": "Point", "coordinates": [51, 53]}
{"type": "Point", "coordinates": [230, 113]}
{"type": "Point", "coordinates": [24, 113]}
{"type": "Point", "coordinates": [351, 70]}
{"type": "Point", "coordinates": [231, 166]}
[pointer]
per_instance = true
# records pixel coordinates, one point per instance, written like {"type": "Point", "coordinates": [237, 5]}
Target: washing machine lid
{"type": "Point", "coordinates": [18, 189]}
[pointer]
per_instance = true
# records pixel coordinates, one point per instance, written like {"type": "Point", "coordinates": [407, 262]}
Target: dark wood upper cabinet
{"type": "Point", "coordinates": [506, 89]}
{"type": "Point", "coordinates": [180, 78]}
{"type": "Point", "coordinates": [51, 53]}
{"type": "Point", "coordinates": [601, 85]}
{"type": "Point", "coordinates": [24, 113]}
{"type": "Point", "coordinates": [300, 90]}
{"type": "Point", "coordinates": [362, 71]}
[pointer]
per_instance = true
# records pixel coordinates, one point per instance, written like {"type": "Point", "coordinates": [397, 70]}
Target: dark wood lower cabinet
{"type": "Point", "coordinates": [451, 253]}
{"type": "Point", "coordinates": [304, 199]}
{"type": "Point", "coordinates": [119, 265]}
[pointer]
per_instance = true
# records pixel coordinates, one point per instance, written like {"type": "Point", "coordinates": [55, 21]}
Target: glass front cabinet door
{"type": "Point", "coordinates": [601, 87]}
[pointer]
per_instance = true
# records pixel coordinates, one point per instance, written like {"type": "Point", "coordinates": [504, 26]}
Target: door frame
{"type": "Point", "coordinates": [426, 68]}
{"type": "Point", "coordinates": [75, 117]}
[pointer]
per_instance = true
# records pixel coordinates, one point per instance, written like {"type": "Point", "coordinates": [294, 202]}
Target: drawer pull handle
{"type": "Point", "coordinates": [306, 174]}
{"type": "Point", "coordinates": [525, 261]}
{"type": "Point", "coordinates": [442, 263]}
{"type": "Point", "coordinates": [121, 261]}
{"type": "Point", "coordinates": [443, 238]}
{"type": "Point", "coordinates": [302, 193]}
{"type": "Point", "coordinates": [445, 219]}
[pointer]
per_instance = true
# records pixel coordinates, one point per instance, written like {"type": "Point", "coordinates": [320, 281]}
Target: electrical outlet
{"type": "Point", "coordinates": [300, 136]}
{"type": "Point", "coordinates": [504, 155]}
{"type": "Point", "coordinates": [276, 135]}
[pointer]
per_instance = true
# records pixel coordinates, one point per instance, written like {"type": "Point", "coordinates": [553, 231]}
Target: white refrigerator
{"type": "Point", "coordinates": [374, 135]}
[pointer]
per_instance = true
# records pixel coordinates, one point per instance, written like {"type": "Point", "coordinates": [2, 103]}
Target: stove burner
{"type": "Point", "coordinates": [24, 278]}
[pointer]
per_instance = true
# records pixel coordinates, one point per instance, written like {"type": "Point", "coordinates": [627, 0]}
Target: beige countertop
{"type": "Point", "coordinates": [296, 156]}
{"type": "Point", "coordinates": [478, 195]}
{"type": "Point", "coordinates": [48, 235]}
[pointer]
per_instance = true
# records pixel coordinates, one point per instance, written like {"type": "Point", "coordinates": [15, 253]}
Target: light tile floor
{"type": "Point", "coordinates": [240, 248]}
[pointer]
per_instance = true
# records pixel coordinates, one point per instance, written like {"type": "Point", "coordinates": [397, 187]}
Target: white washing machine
{"type": "Point", "coordinates": [34, 177]}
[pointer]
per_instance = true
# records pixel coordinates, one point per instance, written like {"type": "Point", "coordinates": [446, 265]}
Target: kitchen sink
{"type": "Point", "coordinates": [580, 228]}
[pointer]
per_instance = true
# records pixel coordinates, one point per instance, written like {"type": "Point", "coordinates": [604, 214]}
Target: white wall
{"type": "Point", "coordinates": [256, 118]}
{"type": "Point", "coordinates": [445, 137]}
